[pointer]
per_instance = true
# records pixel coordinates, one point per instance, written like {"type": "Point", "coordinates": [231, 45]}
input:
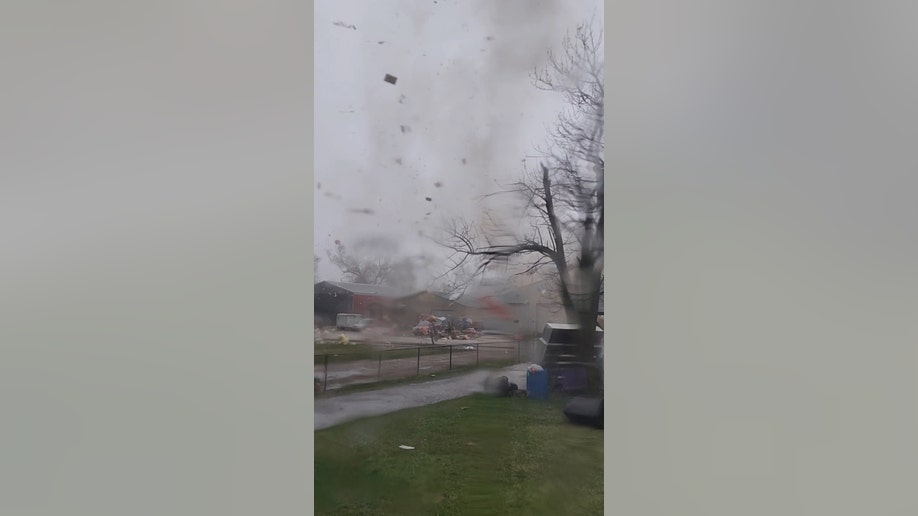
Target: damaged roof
{"type": "Point", "coordinates": [365, 289]}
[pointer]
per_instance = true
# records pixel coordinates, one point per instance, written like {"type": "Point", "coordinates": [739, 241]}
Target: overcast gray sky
{"type": "Point", "coordinates": [463, 93]}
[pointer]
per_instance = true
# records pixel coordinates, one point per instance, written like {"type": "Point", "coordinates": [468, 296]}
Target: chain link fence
{"type": "Point", "coordinates": [335, 370]}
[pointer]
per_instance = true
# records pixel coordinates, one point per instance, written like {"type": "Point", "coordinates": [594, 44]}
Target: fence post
{"type": "Point", "coordinates": [477, 346]}
{"type": "Point", "coordinates": [450, 358]}
{"type": "Point", "coordinates": [325, 383]}
{"type": "Point", "coordinates": [379, 367]}
{"type": "Point", "coordinates": [418, 373]}
{"type": "Point", "coordinates": [519, 346]}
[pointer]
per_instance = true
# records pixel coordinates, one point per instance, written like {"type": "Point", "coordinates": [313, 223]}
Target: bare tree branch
{"type": "Point", "coordinates": [563, 197]}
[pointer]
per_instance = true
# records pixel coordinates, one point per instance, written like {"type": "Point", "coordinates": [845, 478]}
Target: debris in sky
{"type": "Point", "coordinates": [463, 161]}
{"type": "Point", "coordinates": [428, 213]}
{"type": "Point", "coordinates": [405, 128]}
{"type": "Point", "coordinates": [319, 185]}
{"type": "Point", "coordinates": [390, 79]}
{"type": "Point", "coordinates": [401, 99]}
{"type": "Point", "coordinates": [366, 211]}
{"type": "Point", "coordinates": [344, 25]}
{"type": "Point", "coordinates": [428, 199]}
{"type": "Point", "coordinates": [490, 38]}
{"type": "Point", "coordinates": [398, 161]}
{"type": "Point", "coordinates": [438, 184]}
{"type": "Point", "coordinates": [380, 42]}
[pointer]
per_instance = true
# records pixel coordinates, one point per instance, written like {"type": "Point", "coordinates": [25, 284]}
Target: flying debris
{"type": "Point", "coordinates": [428, 199]}
{"type": "Point", "coordinates": [401, 99]}
{"type": "Point", "coordinates": [318, 186]}
{"type": "Point", "coordinates": [390, 79]}
{"type": "Point", "coordinates": [463, 161]}
{"type": "Point", "coordinates": [438, 184]}
{"type": "Point", "coordinates": [380, 42]}
{"type": "Point", "coordinates": [398, 161]}
{"type": "Point", "coordinates": [405, 128]}
{"type": "Point", "coordinates": [366, 211]}
{"type": "Point", "coordinates": [344, 25]}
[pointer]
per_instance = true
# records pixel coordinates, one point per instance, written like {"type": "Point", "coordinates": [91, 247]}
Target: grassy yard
{"type": "Point", "coordinates": [345, 352]}
{"type": "Point", "coordinates": [478, 455]}
{"type": "Point", "coordinates": [360, 351]}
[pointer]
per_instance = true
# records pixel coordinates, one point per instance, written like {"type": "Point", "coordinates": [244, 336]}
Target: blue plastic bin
{"type": "Point", "coordinates": [537, 385]}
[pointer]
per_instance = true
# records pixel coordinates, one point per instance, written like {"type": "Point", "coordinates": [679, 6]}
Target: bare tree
{"type": "Point", "coordinates": [373, 270]}
{"type": "Point", "coordinates": [454, 281]}
{"type": "Point", "coordinates": [564, 202]}
{"type": "Point", "coordinates": [376, 261]}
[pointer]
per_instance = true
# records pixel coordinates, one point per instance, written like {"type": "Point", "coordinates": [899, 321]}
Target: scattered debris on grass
{"type": "Point", "coordinates": [405, 447]}
{"type": "Point", "coordinates": [501, 386]}
{"type": "Point", "coordinates": [344, 25]}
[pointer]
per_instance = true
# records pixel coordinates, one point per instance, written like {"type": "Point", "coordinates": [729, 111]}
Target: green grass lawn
{"type": "Point", "coordinates": [478, 455]}
{"type": "Point", "coordinates": [360, 351]}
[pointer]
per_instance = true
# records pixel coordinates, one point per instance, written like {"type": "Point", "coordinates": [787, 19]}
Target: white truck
{"type": "Point", "coordinates": [351, 322]}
